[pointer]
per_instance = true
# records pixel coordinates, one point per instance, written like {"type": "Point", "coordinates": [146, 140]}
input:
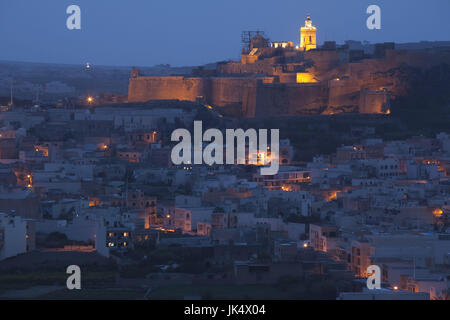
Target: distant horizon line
{"type": "Point", "coordinates": [186, 66]}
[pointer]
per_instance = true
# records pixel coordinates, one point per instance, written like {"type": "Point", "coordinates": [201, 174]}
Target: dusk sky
{"type": "Point", "coordinates": [180, 32]}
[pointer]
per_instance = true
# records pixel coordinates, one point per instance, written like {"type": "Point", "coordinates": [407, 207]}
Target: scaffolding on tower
{"type": "Point", "coordinates": [247, 36]}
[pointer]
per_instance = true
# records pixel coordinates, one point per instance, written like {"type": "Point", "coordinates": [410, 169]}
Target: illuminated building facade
{"type": "Point", "coordinates": [283, 44]}
{"type": "Point", "coordinates": [308, 36]}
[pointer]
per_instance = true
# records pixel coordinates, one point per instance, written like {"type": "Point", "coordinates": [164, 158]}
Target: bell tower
{"type": "Point", "coordinates": [308, 35]}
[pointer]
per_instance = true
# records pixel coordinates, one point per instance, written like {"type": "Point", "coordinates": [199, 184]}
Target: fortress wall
{"type": "Point", "coordinates": [226, 91]}
{"type": "Point", "coordinates": [271, 100]}
{"type": "Point", "coordinates": [218, 92]}
{"type": "Point", "coordinates": [287, 77]}
{"type": "Point", "coordinates": [418, 59]}
{"type": "Point", "coordinates": [396, 58]}
{"type": "Point", "coordinates": [307, 98]}
{"type": "Point", "coordinates": [378, 74]}
{"type": "Point", "coordinates": [283, 99]}
{"type": "Point", "coordinates": [364, 71]}
{"type": "Point", "coordinates": [359, 84]}
{"type": "Point", "coordinates": [343, 93]}
{"type": "Point", "coordinates": [373, 74]}
{"type": "Point", "coordinates": [229, 68]}
{"type": "Point", "coordinates": [142, 89]}
{"type": "Point", "coordinates": [373, 102]}
{"type": "Point", "coordinates": [249, 95]}
{"type": "Point", "coordinates": [323, 60]}
{"type": "Point", "coordinates": [259, 67]}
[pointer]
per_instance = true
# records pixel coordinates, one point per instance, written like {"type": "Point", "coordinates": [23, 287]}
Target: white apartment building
{"type": "Point", "coordinates": [13, 236]}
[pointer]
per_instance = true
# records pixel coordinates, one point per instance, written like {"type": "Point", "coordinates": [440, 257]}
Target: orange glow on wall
{"type": "Point", "coordinates": [93, 202]}
{"type": "Point", "coordinates": [305, 77]}
{"type": "Point", "coordinates": [331, 196]}
{"type": "Point", "coordinates": [260, 158]}
{"type": "Point", "coordinates": [438, 212]}
{"type": "Point", "coordinates": [43, 149]}
{"type": "Point", "coordinates": [286, 188]}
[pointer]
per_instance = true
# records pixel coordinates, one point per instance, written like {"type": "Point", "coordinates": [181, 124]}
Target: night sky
{"type": "Point", "coordinates": [181, 32]}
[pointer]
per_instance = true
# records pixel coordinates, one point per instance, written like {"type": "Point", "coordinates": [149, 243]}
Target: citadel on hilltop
{"type": "Point", "coordinates": [279, 78]}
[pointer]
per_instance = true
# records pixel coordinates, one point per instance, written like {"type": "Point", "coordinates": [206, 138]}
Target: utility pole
{"type": "Point", "coordinates": [11, 103]}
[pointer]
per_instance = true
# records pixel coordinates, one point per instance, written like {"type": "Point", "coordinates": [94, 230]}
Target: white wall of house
{"type": "Point", "coordinates": [14, 236]}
